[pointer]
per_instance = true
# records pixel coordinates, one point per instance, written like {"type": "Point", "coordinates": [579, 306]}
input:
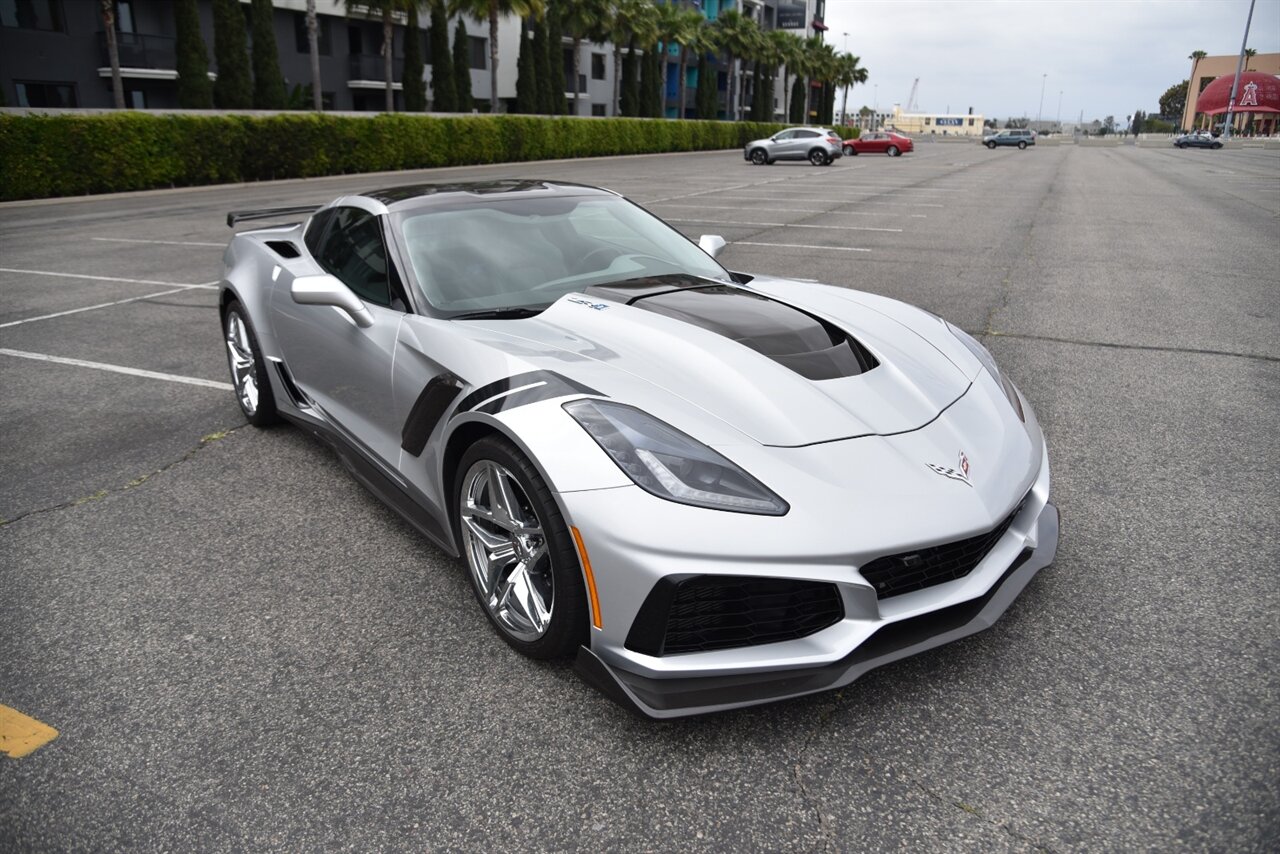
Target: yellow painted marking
{"type": "Point", "coordinates": [19, 734]}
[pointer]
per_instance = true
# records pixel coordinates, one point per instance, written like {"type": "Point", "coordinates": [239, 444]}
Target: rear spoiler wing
{"type": "Point", "coordinates": [268, 213]}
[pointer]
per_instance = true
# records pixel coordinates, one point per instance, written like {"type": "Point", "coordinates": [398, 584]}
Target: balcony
{"type": "Point", "coordinates": [372, 66]}
{"type": "Point", "coordinates": [140, 52]}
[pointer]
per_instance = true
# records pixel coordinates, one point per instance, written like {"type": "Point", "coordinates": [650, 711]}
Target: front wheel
{"type": "Point", "coordinates": [892, 151]}
{"type": "Point", "coordinates": [818, 157]}
{"type": "Point", "coordinates": [991, 145]}
{"type": "Point", "coordinates": [248, 369]}
{"type": "Point", "coordinates": [521, 562]}
{"type": "Point", "coordinates": [1022, 146]}
{"type": "Point", "coordinates": [1217, 145]}
{"type": "Point", "coordinates": [758, 157]}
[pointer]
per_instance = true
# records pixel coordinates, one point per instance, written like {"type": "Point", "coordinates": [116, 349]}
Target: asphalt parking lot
{"type": "Point", "coordinates": [242, 649]}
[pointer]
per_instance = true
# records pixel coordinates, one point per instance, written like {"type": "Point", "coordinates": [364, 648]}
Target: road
{"type": "Point", "coordinates": [242, 649]}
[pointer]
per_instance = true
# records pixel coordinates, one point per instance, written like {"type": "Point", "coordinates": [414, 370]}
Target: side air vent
{"type": "Point", "coordinates": [813, 348]}
{"type": "Point", "coordinates": [284, 248]}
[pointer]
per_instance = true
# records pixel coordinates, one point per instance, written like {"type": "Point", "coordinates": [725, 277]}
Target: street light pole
{"type": "Point", "coordinates": [1044, 78]}
{"type": "Point", "coordinates": [1235, 83]}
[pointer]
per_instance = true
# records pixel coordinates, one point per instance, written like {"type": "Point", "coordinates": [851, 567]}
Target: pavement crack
{"type": "Point", "coordinates": [205, 441]}
{"type": "Point", "coordinates": [1198, 351]}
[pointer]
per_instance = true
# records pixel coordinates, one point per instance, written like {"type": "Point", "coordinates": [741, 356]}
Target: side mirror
{"type": "Point", "coordinates": [326, 290]}
{"type": "Point", "coordinates": [712, 244]}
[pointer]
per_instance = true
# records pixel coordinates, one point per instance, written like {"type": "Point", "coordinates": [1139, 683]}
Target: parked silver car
{"type": "Point", "coordinates": [820, 146]}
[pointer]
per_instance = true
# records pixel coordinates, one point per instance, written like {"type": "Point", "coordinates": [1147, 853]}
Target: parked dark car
{"type": "Point", "coordinates": [1197, 140]}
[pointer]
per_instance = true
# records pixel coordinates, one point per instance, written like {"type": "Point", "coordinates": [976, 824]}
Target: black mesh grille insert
{"type": "Point", "coordinates": [715, 612]}
{"type": "Point", "coordinates": [902, 573]}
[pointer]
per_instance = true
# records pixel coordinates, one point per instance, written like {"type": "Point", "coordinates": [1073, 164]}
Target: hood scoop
{"type": "Point", "coordinates": [800, 342]}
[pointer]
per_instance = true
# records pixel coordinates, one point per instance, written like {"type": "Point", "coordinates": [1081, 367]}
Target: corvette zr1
{"type": "Point", "coordinates": [713, 489]}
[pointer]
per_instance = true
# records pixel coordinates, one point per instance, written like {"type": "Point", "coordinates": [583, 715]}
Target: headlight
{"type": "Point", "coordinates": [667, 463]}
{"type": "Point", "coordinates": [984, 356]}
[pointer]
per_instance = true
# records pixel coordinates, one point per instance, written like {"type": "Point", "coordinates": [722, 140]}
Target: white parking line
{"type": "Point", "coordinates": [164, 242]}
{"type": "Point", "coordinates": [209, 285]}
{"type": "Point", "coordinates": [845, 200]}
{"type": "Point", "coordinates": [789, 210]}
{"type": "Point", "coordinates": [799, 246]}
{"type": "Point", "coordinates": [788, 225]}
{"type": "Point", "coordinates": [91, 307]}
{"type": "Point", "coordinates": [118, 369]}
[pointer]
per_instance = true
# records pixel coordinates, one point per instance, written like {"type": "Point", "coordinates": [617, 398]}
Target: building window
{"type": "Point", "coordinates": [300, 34]}
{"type": "Point", "coordinates": [32, 15]}
{"type": "Point", "coordinates": [597, 66]}
{"type": "Point", "coordinates": [597, 109]}
{"type": "Point", "coordinates": [928, 120]}
{"type": "Point", "coordinates": [970, 122]}
{"type": "Point", "coordinates": [479, 52]}
{"type": "Point", "coordinates": [136, 99]}
{"type": "Point", "coordinates": [46, 94]}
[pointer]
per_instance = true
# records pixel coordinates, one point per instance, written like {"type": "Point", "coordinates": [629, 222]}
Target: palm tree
{"type": "Point", "coordinates": [739, 38]}
{"type": "Point", "coordinates": [491, 11]}
{"type": "Point", "coordinates": [313, 47]}
{"type": "Point", "coordinates": [113, 51]}
{"type": "Point", "coordinates": [385, 9]}
{"type": "Point", "coordinates": [583, 19]}
{"type": "Point", "coordinates": [632, 22]}
{"type": "Point", "coordinates": [848, 72]}
{"type": "Point", "coordinates": [687, 29]}
{"type": "Point", "coordinates": [789, 48]}
{"type": "Point", "coordinates": [819, 64]}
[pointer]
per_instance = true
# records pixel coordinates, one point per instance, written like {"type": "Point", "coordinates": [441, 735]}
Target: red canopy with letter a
{"type": "Point", "coordinates": [1258, 93]}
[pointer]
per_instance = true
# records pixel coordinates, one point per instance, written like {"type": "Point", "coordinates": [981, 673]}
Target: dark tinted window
{"type": "Point", "coordinates": [32, 14]}
{"type": "Point", "coordinates": [353, 251]}
{"type": "Point", "coordinates": [315, 231]}
{"type": "Point", "coordinates": [46, 94]}
{"type": "Point", "coordinates": [478, 52]}
{"type": "Point", "coordinates": [806, 134]}
{"type": "Point", "coordinates": [301, 41]}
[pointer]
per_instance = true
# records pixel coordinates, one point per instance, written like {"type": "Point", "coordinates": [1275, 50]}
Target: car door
{"type": "Point", "coordinates": [781, 142]}
{"type": "Point", "coordinates": [344, 369]}
{"type": "Point", "coordinates": [876, 144]}
{"type": "Point", "coordinates": [800, 145]}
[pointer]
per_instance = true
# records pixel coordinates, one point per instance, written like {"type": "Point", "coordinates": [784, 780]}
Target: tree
{"type": "Point", "coordinates": [195, 92]}
{"type": "Point", "coordinates": [113, 52]}
{"type": "Point", "coordinates": [628, 21]}
{"type": "Point", "coordinates": [694, 36]}
{"type": "Point", "coordinates": [705, 98]}
{"type": "Point", "coordinates": [385, 10]}
{"type": "Point", "coordinates": [788, 49]}
{"type": "Point", "coordinates": [313, 50]}
{"type": "Point", "coordinates": [848, 72]}
{"type": "Point", "coordinates": [268, 82]}
{"type": "Point", "coordinates": [629, 100]}
{"type": "Point", "coordinates": [462, 67]}
{"type": "Point", "coordinates": [492, 10]}
{"type": "Point", "coordinates": [233, 89]}
{"type": "Point", "coordinates": [444, 89]}
{"type": "Point", "coordinates": [1174, 100]}
{"type": "Point", "coordinates": [1135, 124]}
{"type": "Point", "coordinates": [651, 84]}
{"type": "Point", "coordinates": [526, 75]}
{"type": "Point", "coordinates": [583, 20]}
{"type": "Point", "coordinates": [551, 94]}
{"type": "Point", "coordinates": [414, 83]}
{"type": "Point", "coordinates": [739, 38]}
{"type": "Point", "coordinates": [798, 90]}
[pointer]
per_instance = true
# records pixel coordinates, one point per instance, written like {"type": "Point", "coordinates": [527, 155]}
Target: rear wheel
{"type": "Point", "coordinates": [850, 151]}
{"type": "Point", "coordinates": [818, 157]}
{"type": "Point", "coordinates": [1217, 145]}
{"type": "Point", "coordinates": [758, 157]}
{"type": "Point", "coordinates": [991, 145]}
{"type": "Point", "coordinates": [521, 562]}
{"type": "Point", "coordinates": [892, 151]}
{"type": "Point", "coordinates": [1022, 146]}
{"type": "Point", "coordinates": [248, 369]}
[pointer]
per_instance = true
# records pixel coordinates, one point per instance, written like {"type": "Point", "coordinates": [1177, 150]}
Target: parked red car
{"type": "Point", "coordinates": [879, 142]}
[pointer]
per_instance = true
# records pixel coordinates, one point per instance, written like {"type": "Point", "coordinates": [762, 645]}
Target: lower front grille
{"type": "Point", "coordinates": [909, 571]}
{"type": "Point", "coordinates": [706, 612]}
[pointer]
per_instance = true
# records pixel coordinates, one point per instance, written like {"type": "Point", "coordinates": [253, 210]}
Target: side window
{"type": "Point", "coordinates": [806, 134]}
{"type": "Point", "coordinates": [315, 231]}
{"type": "Point", "coordinates": [354, 253]}
{"type": "Point", "coordinates": [785, 135]}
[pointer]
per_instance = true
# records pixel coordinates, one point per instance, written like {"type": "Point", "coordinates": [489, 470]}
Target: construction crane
{"type": "Point", "coordinates": [912, 106]}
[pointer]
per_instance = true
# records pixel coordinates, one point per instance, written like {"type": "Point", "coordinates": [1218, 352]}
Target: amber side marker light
{"type": "Point", "coordinates": [591, 578]}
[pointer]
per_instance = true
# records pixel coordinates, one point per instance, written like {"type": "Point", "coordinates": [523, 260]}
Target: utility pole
{"type": "Point", "coordinates": [1235, 84]}
{"type": "Point", "coordinates": [1044, 78]}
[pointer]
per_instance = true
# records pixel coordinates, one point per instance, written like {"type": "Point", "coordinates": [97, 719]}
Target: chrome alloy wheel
{"type": "Point", "coordinates": [507, 551]}
{"type": "Point", "coordinates": [243, 364]}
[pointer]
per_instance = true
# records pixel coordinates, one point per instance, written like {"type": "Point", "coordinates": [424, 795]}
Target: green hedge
{"type": "Point", "coordinates": [65, 155]}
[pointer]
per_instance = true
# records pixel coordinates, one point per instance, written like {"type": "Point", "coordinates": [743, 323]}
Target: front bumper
{"type": "Point", "coordinates": [671, 697]}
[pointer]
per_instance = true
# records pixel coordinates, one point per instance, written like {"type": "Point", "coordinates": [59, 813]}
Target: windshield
{"type": "Point", "coordinates": [527, 253]}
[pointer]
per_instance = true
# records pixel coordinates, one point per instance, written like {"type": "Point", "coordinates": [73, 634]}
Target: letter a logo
{"type": "Point", "coordinates": [1250, 97]}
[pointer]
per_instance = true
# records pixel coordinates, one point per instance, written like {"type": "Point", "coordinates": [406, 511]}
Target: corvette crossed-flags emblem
{"type": "Point", "coordinates": [960, 472]}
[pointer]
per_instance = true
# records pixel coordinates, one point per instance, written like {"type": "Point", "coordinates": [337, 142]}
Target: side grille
{"type": "Point", "coordinates": [705, 612]}
{"type": "Point", "coordinates": [903, 573]}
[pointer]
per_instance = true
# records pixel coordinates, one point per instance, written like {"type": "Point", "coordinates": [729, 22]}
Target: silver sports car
{"type": "Point", "coordinates": [714, 489]}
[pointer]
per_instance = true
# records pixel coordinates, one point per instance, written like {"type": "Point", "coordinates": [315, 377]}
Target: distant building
{"type": "Point", "coordinates": [934, 124]}
{"type": "Point", "coordinates": [1205, 70]}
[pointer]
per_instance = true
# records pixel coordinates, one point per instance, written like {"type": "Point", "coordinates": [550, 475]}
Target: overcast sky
{"type": "Point", "coordinates": [1106, 57]}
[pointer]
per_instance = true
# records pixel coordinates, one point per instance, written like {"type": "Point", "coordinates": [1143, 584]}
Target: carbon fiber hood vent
{"type": "Point", "coordinates": [813, 348]}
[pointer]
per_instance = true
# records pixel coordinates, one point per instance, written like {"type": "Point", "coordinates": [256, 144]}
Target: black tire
{"type": "Point", "coordinates": [829, 161]}
{"type": "Point", "coordinates": [759, 157]}
{"type": "Point", "coordinates": [567, 627]}
{"type": "Point", "coordinates": [850, 151]}
{"type": "Point", "coordinates": [252, 382]}
{"type": "Point", "coordinates": [1180, 145]}
{"type": "Point", "coordinates": [1217, 145]}
{"type": "Point", "coordinates": [892, 151]}
{"type": "Point", "coordinates": [1022, 146]}
{"type": "Point", "coordinates": [818, 157]}
{"type": "Point", "coordinates": [991, 145]}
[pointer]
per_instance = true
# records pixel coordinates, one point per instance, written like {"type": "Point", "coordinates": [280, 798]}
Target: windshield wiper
{"type": "Point", "coordinates": [501, 313]}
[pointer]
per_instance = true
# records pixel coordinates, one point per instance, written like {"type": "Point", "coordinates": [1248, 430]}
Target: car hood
{"type": "Point", "coordinates": [785, 363]}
